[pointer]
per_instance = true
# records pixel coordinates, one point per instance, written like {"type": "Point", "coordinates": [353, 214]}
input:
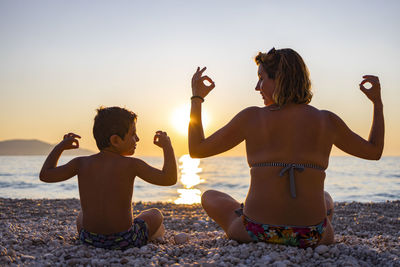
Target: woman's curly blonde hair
{"type": "Point", "coordinates": [291, 75]}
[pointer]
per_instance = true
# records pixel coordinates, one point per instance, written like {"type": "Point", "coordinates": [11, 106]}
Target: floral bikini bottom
{"type": "Point", "coordinates": [298, 236]}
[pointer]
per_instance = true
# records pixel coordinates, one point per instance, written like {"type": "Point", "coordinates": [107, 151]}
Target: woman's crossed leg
{"type": "Point", "coordinates": [221, 208]}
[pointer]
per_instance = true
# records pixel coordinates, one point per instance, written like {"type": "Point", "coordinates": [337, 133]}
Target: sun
{"type": "Point", "coordinates": [181, 117]}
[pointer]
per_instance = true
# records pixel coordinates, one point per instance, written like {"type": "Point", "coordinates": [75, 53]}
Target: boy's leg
{"type": "Point", "coordinates": [154, 220]}
{"type": "Point", "coordinates": [79, 222]}
{"type": "Point", "coordinates": [328, 235]}
{"type": "Point", "coordinates": [221, 208]}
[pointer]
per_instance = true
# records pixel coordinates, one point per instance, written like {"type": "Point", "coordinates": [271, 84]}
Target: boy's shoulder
{"type": "Point", "coordinates": [117, 159]}
{"type": "Point", "coordinates": [111, 162]}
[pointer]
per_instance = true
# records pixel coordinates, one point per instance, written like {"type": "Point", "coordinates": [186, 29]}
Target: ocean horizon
{"type": "Point", "coordinates": [347, 179]}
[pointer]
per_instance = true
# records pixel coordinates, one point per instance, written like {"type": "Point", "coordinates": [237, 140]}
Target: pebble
{"type": "Point", "coordinates": [279, 264]}
{"type": "Point", "coordinates": [3, 251]}
{"type": "Point", "coordinates": [196, 225]}
{"type": "Point", "coordinates": [275, 256]}
{"type": "Point", "coordinates": [266, 259]}
{"type": "Point", "coordinates": [144, 250]}
{"type": "Point", "coordinates": [27, 257]}
{"type": "Point", "coordinates": [124, 261]}
{"type": "Point", "coordinates": [47, 255]}
{"type": "Point", "coordinates": [321, 249]}
{"type": "Point", "coordinates": [334, 251]}
{"type": "Point", "coordinates": [52, 241]}
{"type": "Point", "coordinates": [181, 238]}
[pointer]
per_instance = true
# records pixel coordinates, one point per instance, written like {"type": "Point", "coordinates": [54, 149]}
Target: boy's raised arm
{"type": "Point", "coordinates": [50, 173]}
{"type": "Point", "coordinates": [168, 174]}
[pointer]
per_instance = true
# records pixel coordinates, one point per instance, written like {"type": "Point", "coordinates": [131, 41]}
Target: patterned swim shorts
{"type": "Point", "coordinates": [136, 236]}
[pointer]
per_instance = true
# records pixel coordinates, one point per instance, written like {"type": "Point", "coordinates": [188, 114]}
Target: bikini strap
{"type": "Point", "coordinates": [289, 167]}
{"type": "Point", "coordinates": [239, 212]}
{"type": "Point", "coordinates": [281, 164]}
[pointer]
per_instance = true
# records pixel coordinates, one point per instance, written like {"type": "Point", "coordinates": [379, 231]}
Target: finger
{"type": "Point", "coordinates": [371, 85]}
{"type": "Point", "coordinates": [363, 89]}
{"type": "Point", "coordinates": [156, 141]}
{"type": "Point", "coordinates": [197, 72]}
{"type": "Point", "coordinates": [161, 132]}
{"type": "Point", "coordinates": [73, 135]}
{"type": "Point", "coordinates": [202, 70]}
{"type": "Point", "coordinates": [75, 143]}
{"type": "Point", "coordinates": [370, 77]}
{"type": "Point", "coordinates": [208, 79]}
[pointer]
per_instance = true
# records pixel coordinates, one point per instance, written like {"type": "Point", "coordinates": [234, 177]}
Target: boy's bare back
{"type": "Point", "coordinates": [106, 179]}
{"type": "Point", "coordinates": [105, 189]}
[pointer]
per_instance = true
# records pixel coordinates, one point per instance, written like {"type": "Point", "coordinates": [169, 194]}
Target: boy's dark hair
{"type": "Point", "coordinates": [110, 121]}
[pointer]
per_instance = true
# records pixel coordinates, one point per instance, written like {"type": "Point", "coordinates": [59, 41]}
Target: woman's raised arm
{"type": "Point", "coordinates": [352, 143]}
{"type": "Point", "coordinates": [225, 138]}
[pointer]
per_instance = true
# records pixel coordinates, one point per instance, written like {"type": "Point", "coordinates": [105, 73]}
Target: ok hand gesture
{"type": "Point", "coordinates": [374, 93]}
{"type": "Point", "coordinates": [161, 139]}
{"type": "Point", "coordinates": [198, 86]}
{"type": "Point", "coordinates": [70, 141]}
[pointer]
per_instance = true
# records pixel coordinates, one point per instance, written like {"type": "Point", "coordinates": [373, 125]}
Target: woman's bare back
{"type": "Point", "coordinates": [296, 133]}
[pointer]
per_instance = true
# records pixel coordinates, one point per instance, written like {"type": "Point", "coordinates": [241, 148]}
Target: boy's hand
{"type": "Point", "coordinates": [70, 141]}
{"type": "Point", "coordinates": [161, 139]}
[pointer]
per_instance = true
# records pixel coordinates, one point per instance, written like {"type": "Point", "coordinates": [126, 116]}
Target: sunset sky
{"type": "Point", "coordinates": [60, 60]}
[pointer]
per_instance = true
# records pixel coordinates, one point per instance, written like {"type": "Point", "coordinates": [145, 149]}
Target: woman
{"type": "Point", "coordinates": [288, 143]}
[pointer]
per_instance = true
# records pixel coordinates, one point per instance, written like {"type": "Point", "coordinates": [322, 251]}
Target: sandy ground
{"type": "Point", "coordinates": [42, 233]}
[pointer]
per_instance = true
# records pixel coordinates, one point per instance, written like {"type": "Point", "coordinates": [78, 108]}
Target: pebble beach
{"type": "Point", "coordinates": [42, 232]}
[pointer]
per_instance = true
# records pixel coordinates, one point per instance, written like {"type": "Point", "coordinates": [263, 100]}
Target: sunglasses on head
{"type": "Point", "coordinates": [272, 51]}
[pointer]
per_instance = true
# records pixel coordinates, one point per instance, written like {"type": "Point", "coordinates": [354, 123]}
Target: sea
{"type": "Point", "coordinates": [347, 179]}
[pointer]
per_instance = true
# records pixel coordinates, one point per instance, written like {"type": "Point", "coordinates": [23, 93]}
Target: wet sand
{"type": "Point", "coordinates": [42, 233]}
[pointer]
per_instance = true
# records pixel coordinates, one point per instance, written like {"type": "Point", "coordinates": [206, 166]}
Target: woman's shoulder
{"type": "Point", "coordinates": [249, 112]}
{"type": "Point", "coordinates": [328, 114]}
{"type": "Point", "coordinates": [322, 112]}
{"type": "Point", "coordinates": [328, 117]}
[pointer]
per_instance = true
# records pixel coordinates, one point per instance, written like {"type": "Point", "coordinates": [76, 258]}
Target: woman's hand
{"type": "Point", "coordinates": [70, 141]}
{"type": "Point", "coordinates": [161, 139]}
{"type": "Point", "coordinates": [198, 86]}
{"type": "Point", "coordinates": [374, 93]}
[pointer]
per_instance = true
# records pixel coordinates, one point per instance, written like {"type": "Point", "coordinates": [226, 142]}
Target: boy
{"type": "Point", "coordinates": [106, 181]}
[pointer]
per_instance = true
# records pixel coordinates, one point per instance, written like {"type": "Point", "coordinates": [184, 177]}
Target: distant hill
{"type": "Point", "coordinates": [34, 147]}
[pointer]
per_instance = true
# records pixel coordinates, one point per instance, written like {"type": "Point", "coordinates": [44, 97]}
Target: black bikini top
{"type": "Point", "coordinates": [289, 167]}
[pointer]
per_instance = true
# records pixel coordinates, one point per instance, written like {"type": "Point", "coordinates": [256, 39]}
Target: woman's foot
{"type": "Point", "coordinates": [221, 208]}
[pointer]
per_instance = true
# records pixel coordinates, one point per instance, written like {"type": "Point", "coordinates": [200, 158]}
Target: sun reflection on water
{"type": "Point", "coordinates": [189, 178]}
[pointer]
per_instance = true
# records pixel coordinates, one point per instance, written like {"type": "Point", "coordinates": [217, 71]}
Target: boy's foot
{"type": "Point", "coordinates": [159, 233]}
